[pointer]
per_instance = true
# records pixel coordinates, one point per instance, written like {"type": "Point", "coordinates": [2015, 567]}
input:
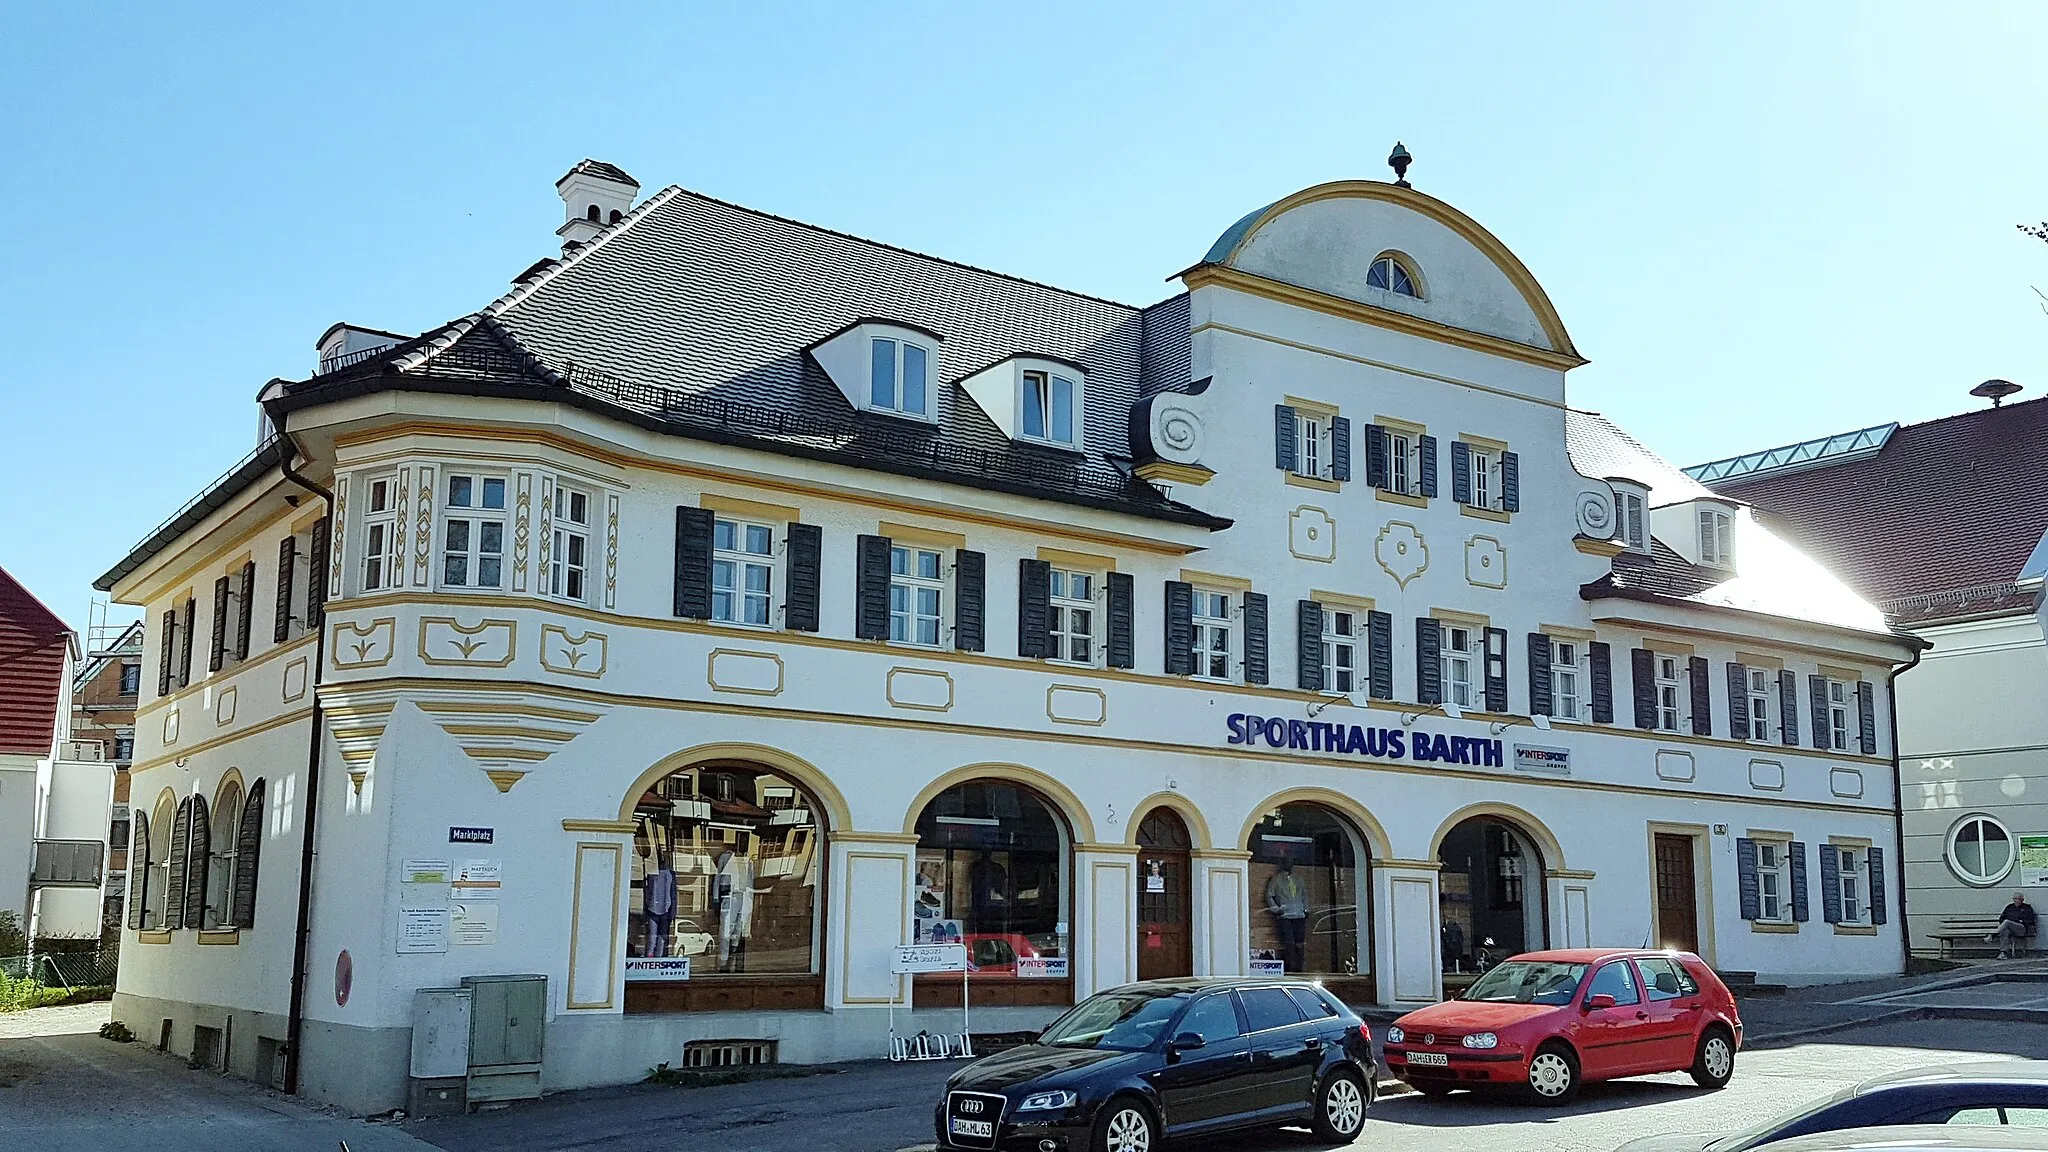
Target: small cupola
{"type": "Point", "coordinates": [1701, 529]}
{"type": "Point", "coordinates": [595, 196]}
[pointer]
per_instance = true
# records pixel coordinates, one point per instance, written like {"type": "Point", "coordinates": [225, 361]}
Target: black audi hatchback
{"type": "Point", "coordinates": [1128, 1068]}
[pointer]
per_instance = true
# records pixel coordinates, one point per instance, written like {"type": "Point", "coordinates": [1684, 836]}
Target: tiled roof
{"type": "Point", "coordinates": [1601, 450]}
{"type": "Point", "coordinates": [33, 644]}
{"type": "Point", "coordinates": [1938, 523]}
{"type": "Point", "coordinates": [599, 169]}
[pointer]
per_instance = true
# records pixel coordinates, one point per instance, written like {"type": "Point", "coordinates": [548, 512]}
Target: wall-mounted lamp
{"type": "Point", "coordinates": [1316, 707]}
{"type": "Point", "coordinates": [1449, 709]}
{"type": "Point", "coordinates": [1540, 723]}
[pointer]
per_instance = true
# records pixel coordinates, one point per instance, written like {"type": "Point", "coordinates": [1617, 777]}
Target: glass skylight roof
{"type": "Point", "coordinates": [1791, 457]}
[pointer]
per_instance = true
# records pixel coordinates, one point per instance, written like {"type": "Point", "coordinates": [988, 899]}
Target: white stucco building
{"type": "Point", "coordinates": [741, 591]}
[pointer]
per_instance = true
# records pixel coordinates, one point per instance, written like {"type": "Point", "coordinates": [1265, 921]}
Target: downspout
{"type": "Point", "coordinates": [1891, 690]}
{"type": "Point", "coordinates": [296, 1022]}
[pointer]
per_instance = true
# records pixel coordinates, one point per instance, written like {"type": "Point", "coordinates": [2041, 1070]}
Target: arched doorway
{"type": "Point", "coordinates": [1489, 897]}
{"type": "Point", "coordinates": [1309, 891]}
{"type": "Point", "coordinates": [993, 872]}
{"type": "Point", "coordinates": [1166, 944]}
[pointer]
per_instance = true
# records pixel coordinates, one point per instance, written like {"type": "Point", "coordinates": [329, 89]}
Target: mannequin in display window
{"type": "Point", "coordinates": [658, 901]}
{"type": "Point", "coordinates": [1287, 904]}
{"type": "Point", "coordinates": [732, 900]}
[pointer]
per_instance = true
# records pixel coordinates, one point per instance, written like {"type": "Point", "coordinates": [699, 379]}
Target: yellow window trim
{"type": "Point", "coordinates": [220, 936]}
{"type": "Point", "coordinates": [1567, 632]}
{"type": "Point", "coordinates": [1855, 929]}
{"type": "Point", "coordinates": [1396, 424]}
{"type": "Point", "coordinates": [930, 537]}
{"type": "Point", "coordinates": [1592, 547]}
{"type": "Point", "coordinates": [1214, 581]}
{"type": "Point", "coordinates": [153, 936]}
{"type": "Point", "coordinates": [306, 522]}
{"type": "Point", "coordinates": [1484, 443]}
{"type": "Point", "coordinates": [1836, 672]}
{"type": "Point", "coordinates": [1773, 926]}
{"type": "Point", "coordinates": [1663, 647]}
{"type": "Point", "coordinates": [751, 509]}
{"type": "Point", "coordinates": [1862, 842]}
{"type": "Point", "coordinates": [1758, 660]}
{"type": "Point", "coordinates": [1311, 408]}
{"type": "Point", "coordinates": [1766, 834]}
{"type": "Point", "coordinates": [1320, 485]}
{"type": "Point", "coordinates": [1343, 600]}
{"type": "Point", "coordinates": [1462, 619]}
{"type": "Point", "coordinates": [1168, 472]}
{"type": "Point", "coordinates": [1412, 501]}
{"type": "Point", "coordinates": [1484, 513]}
{"type": "Point", "coordinates": [1086, 561]}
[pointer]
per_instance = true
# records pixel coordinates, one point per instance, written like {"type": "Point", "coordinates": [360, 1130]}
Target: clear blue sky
{"type": "Point", "coordinates": [1760, 222]}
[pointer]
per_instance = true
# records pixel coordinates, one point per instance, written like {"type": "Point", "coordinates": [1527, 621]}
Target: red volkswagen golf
{"type": "Point", "coordinates": [1546, 1022]}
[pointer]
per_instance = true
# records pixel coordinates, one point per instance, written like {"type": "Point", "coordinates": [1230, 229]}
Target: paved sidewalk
{"type": "Point", "coordinates": [2001, 990]}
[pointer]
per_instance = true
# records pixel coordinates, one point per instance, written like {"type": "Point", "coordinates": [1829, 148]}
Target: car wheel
{"type": "Point", "coordinates": [1340, 1108]}
{"type": "Point", "coordinates": [1553, 1075]}
{"type": "Point", "coordinates": [1125, 1126]}
{"type": "Point", "coordinates": [1714, 1063]}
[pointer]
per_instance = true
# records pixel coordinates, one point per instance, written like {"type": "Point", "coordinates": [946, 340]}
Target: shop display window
{"type": "Point", "coordinates": [1306, 892]}
{"type": "Point", "coordinates": [727, 860]}
{"type": "Point", "coordinates": [992, 874]}
{"type": "Point", "coordinates": [1489, 896]}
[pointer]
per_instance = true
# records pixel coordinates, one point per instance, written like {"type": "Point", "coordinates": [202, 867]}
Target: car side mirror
{"type": "Point", "coordinates": [1188, 1042]}
{"type": "Point", "coordinates": [1598, 1001]}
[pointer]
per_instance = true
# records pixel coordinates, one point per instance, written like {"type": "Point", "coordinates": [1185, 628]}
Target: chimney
{"type": "Point", "coordinates": [595, 196]}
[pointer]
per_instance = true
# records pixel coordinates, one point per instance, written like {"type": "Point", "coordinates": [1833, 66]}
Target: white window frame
{"type": "Point", "coordinates": [1761, 687]}
{"type": "Point", "coordinates": [1852, 863]}
{"type": "Point", "coordinates": [1043, 385]}
{"type": "Point", "coordinates": [907, 621]}
{"type": "Point", "coordinates": [1981, 879]}
{"type": "Point", "coordinates": [1839, 696]}
{"type": "Point", "coordinates": [224, 843]}
{"type": "Point", "coordinates": [477, 517]}
{"type": "Point", "coordinates": [1401, 479]}
{"type": "Point", "coordinates": [383, 566]}
{"type": "Point", "coordinates": [1456, 654]}
{"type": "Point", "coordinates": [738, 559]}
{"type": "Point", "coordinates": [569, 579]}
{"type": "Point", "coordinates": [1716, 527]}
{"type": "Point", "coordinates": [1484, 471]}
{"type": "Point", "coordinates": [1564, 668]}
{"type": "Point", "coordinates": [1393, 265]}
{"type": "Point", "coordinates": [1074, 619]}
{"type": "Point", "coordinates": [1214, 635]}
{"type": "Point", "coordinates": [1632, 520]}
{"type": "Point", "coordinates": [900, 357]}
{"type": "Point", "coordinates": [1774, 881]}
{"type": "Point", "coordinates": [1669, 675]}
{"type": "Point", "coordinates": [1312, 448]}
{"type": "Point", "coordinates": [1342, 673]}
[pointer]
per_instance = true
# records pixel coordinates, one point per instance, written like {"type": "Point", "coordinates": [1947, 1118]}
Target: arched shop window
{"type": "Point", "coordinates": [1980, 849]}
{"type": "Point", "coordinates": [727, 863]}
{"type": "Point", "coordinates": [1307, 892]}
{"type": "Point", "coordinates": [1489, 897]}
{"type": "Point", "coordinates": [992, 874]}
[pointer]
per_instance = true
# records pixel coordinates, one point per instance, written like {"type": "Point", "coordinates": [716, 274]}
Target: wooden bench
{"type": "Point", "coordinates": [1960, 935]}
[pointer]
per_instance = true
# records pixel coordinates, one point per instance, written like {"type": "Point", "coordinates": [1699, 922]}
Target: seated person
{"type": "Point", "coordinates": [2015, 927]}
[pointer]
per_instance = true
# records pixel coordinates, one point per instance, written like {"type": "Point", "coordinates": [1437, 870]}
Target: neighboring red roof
{"type": "Point", "coordinates": [33, 647]}
{"type": "Point", "coordinates": [1936, 524]}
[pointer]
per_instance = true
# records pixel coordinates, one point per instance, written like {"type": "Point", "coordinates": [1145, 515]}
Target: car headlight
{"type": "Point", "coordinates": [1040, 1101]}
{"type": "Point", "coordinates": [1481, 1040]}
{"type": "Point", "coordinates": [1396, 1036]}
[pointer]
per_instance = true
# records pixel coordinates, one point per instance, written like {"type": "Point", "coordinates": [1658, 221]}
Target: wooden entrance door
{"type": "Point", "coordinates": [1166, 939]}
{"type": "Point", "coordinates": [1678, 919]}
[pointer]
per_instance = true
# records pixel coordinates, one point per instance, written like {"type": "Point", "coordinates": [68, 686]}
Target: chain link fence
{"type": "Point", "coordinates": [55, 977]}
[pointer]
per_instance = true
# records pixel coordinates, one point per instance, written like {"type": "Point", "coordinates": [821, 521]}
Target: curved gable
{"type": "Point", "coordinates": [1325, 239]}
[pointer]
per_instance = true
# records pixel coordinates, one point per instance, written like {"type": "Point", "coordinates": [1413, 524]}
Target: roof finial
{"type": "Point", "coordinates": [1995, 390]}
{"type": "Point", "coordinates": [1398, 160]}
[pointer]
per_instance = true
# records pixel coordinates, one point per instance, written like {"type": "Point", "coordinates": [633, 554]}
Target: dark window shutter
{"type": "Point", "coordinates": [693, 561]}
{"type": "Point", "coordinates": [1425, 448]}
{"type": "Point", "coordinates": [1830, 885]}
{"type": "Point", "coordinates": [1340, 449]}
{"type": "Point", "coordinates": [1496, 669]}
{"type": "Point", "coordinates": [1180, 628]}
{"type": "Point", "coordinates": [217, 652]}
{"type": "Point", "coordinates": [1788, 707]}
{"type": "Point", "coordinates": [1642, 668]}
{"type": "Point", "coordinates": [138, 868]}
{"type": "Point", "coordinates": [1257, 666]}
{"type": "Point", "coordinates": [1429, 668]}
{"type": "Point", "coordinates": [185, 630]}
{"type": "Point", "coordinates": [1697, 674]}
{"type": "Point", "coordinates": [1866, 711]}
{"type": "Point", "coordinates": [1738, 701]}
{"type": "Point", "coordinates": [970, 600]}
{"type": "Point", "coordinates": [316, 577]}
{"type": "Point", "coordinates": [1286, 452]}
{"type": "Point", "coordinates": [1510, 482]}
{"type": "Point", "coordinates": [167, 642]}
{"type": "Point", "coordinates": [1541, 702]}
{"type": "Point", "coordinates": [1817, 693]}
{"type": "Point", "coordinates": [248, 854]}
{"type": "Point", "coordinates": [1034, 609]}
{"type": "Point", "coordinates": [287, 555]}
{"type": "Point", "coordinates": [1308, 646]}
{"type": "Point", "coordinates": [1379, 632]}
{"type": "Point", "coordinates": [1748, 891]}
{"type": "Point", "coordinates": [1600, 662]}
{"type": "Point", "coordinates": [1796, 851]}
{"type": "Point", "coordinates": [1878, 913]}
{"type": "Point", "coordinates": [1376, 456]}
{"type": "Point", "coordinates": [247, 610]}
{"type": "Point", "coordinates": [174, 883]}
{"type": "Point", "coordinates": [196, 858]}
{"type": "Point", "coordinates": [1123, 629]}
{"type": "Point", "coordinates": [871, 588]}
{"type": "Point", "coordinates": [1461, 472]}
{"type": "Point", "coordinates": [806, 569]}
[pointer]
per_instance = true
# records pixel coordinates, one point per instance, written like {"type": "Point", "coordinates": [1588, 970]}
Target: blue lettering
{"type": "Point", "coordinates": [1326, 737]}
{"type": "Point", "coordinates": [1397, 744]}
{"type": "Point", "coordinates": [1350, 739]}
{"type": "Point", "coordinates": [1440, 748]}
{"type": "Point", "coordinates": [1493, 755]}
{"type": "Point", "coordinates": [1465, 751]}
{"type": "Point", "coordinates": [1237, 735]}
{"type": "Point", "coordinates": [1297, 734]}
{"type": "Point", "coordinates": [1276, 733]}
{"type": "Point", "coordinates": [1376, 742]}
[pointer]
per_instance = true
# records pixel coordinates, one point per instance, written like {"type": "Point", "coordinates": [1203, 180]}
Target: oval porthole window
{"type": "Point", "coordinates": [1980, 849]}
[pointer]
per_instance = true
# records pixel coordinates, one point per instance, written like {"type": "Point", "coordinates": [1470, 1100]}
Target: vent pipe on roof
{"type": "Point", "coordinates": [595, 196]}
{"type": "Point", "coordinates": [1996, 391]}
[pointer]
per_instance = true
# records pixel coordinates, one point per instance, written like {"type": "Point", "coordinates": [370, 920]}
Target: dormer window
{"type": "Point", "coordinates": [1717, 537]}
{"type": "Point", "coordinates": [1631, 514]}
{"type": "Point", "coordinates": [899, 377]}
{"type": "Point", "coordinates": [1048, 408]}
{"type": "Point", "coordinates": [1389, 274]}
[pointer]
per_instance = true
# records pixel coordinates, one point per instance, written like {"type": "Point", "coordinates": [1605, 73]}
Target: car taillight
{"type": "Point", "coordinates": [1365, 1030]}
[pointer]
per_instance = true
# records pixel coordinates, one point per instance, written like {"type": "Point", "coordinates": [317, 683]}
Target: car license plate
{"type": "Point", "coordinates": [984, 1129]}
{"type": "Point", "coordinates": [1433, 1059]}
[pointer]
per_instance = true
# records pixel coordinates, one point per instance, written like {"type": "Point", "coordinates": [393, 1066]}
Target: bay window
{"type": "Point", "coordinates": [382, 565]}
{"type": "Point", "coordinates": [569, 553]}
{"type": "Point", "coordinates": [473, 532]}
